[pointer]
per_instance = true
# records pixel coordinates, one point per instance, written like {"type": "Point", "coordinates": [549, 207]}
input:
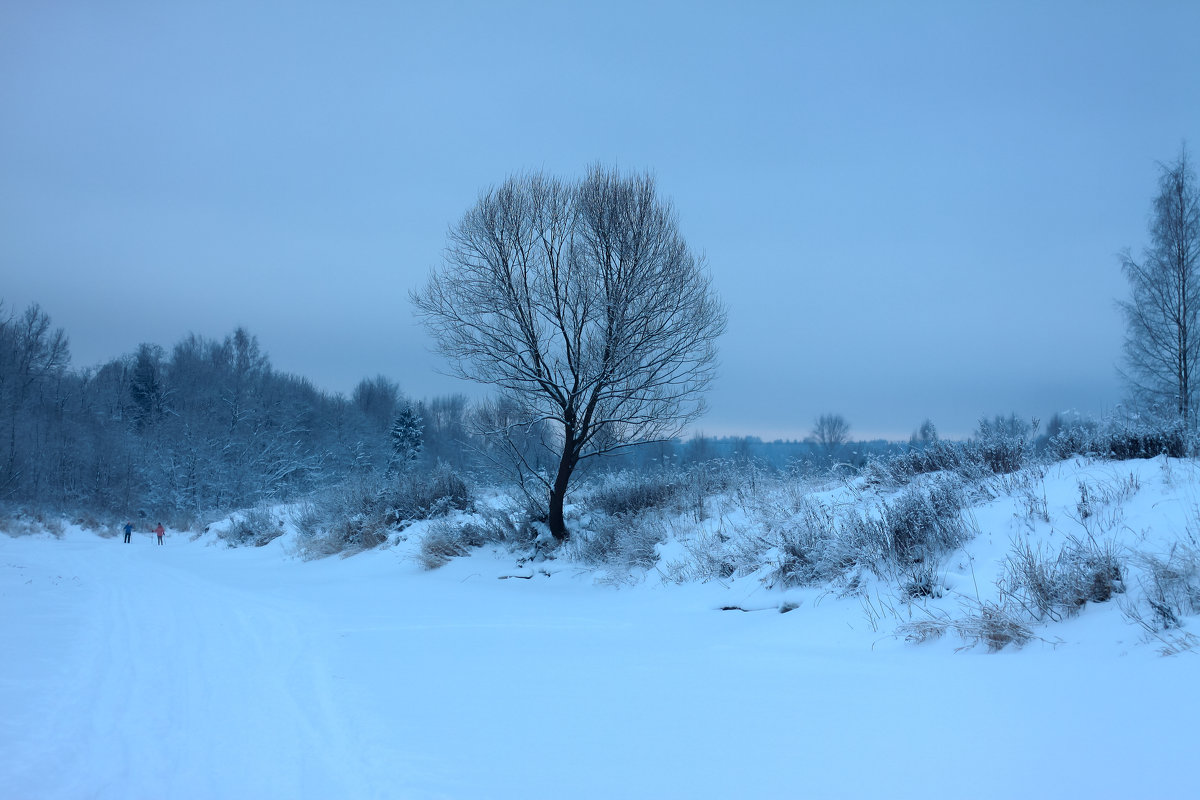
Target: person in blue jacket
{"type": "Point", "coordinates": [128, 531]}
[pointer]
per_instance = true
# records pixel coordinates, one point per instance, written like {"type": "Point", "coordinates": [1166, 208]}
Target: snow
{"type": "Point", "coordinates": [194, 670]}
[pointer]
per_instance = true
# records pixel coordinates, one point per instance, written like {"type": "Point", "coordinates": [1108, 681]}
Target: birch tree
{"type": "Point", "coordinates": [1162, 315]}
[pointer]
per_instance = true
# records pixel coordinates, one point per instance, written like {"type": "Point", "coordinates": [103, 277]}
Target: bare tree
{"type": "Point", "coordinates": [831, 432]}
{"type": "Point", "coordinates": [32, 354]}
{"type": "Point", "coordinates": [584, 305]}
{"type": "Point", "coordinates": [1162, 316]}
{"type": "Point", "coordinates": [378, 399]}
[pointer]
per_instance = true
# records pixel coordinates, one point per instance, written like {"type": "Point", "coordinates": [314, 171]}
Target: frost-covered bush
{"type": "Point", "coordinates": [446, 539]}
{"type": "Point", "coordinates": [1003, 443]}
{"type": "Point", "coordinates": [628, 541]}
{"type": "Point", "coordinates": [1142, 437]}
{"type": "Point", "coordinates": [1002, 454]}
{"type": "Point", "coordinates": [718, 556]}
{"type": "Point", "coordinates": [626, 493]}
{"type": "Point", "coordinates": [901, 468]}
{"type": "Point", "coordinates": [804, 541]}
{"type": "Point", "coordinates": [23, 524]}
{"type": "Point", "coordinates": [1123, 436]}
{"type": "Point", "coordinates": [441, 543]}
{"type": "Point", "coordinates": [1000, 447]}
{"type": "Point", "coordinates": [1172, 586]}
{"type": "Point", "coordinates": [308, 517]}
{"type": "Point", "coordinates": [424, 495]}
{"type": "Point", "coordinates": [922, 580]}
{"type": "Point", "coordinates": [1057, 585]}
{"type": "Point", "coordinates": [920, 524]}
{"type": "Point", "coordinates": [804, 548]}
{"type": "Point", "coordinates": [996, 626]}
{"type": "Point", "coordinates": [1075, 439]}
{"type": "Point", "coordinates": [361, 513]}
{"type": "Point", "coordinates": [993, 454]}
{"type": "Point", "coordinates": [256, 526]}
{"type": "Point", "coordinates": [343, 518]}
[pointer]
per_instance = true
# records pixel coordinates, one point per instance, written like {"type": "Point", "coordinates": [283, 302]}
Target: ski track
{"type": "Point", "coordinates": [181, 687]}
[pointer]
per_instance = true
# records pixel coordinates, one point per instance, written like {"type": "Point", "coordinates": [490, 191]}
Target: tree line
{"type": "Point", "coordinates": [208, 425]}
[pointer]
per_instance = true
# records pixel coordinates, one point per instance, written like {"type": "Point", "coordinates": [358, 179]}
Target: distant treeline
{"type": "Point", "coordinates": [211, 426]}
{"type": "Point", "coordinates": [207, 425]}
{"type": "Point", "coordinates": [780, 454]}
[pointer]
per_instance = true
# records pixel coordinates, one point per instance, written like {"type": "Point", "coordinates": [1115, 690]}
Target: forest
{"type": "Point", "coordinates": [209, 426]}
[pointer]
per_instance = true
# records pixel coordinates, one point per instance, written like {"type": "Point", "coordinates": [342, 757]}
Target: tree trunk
{"type": "Point", "coordinates": [558, 493]}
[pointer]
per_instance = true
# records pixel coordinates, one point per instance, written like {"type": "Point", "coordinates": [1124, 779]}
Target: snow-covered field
{"type": "Point", "coordinates": [197, 671]}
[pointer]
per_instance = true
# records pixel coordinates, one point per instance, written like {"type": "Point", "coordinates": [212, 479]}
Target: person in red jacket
{"type": "Point", "coordinates": [159, 530]}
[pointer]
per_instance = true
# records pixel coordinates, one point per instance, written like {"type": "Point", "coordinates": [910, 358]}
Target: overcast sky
{"type": "Point", "coordinates": [911, 209]}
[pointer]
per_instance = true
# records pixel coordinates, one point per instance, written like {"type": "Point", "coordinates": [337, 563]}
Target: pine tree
{"type": "Point", "coordinates": [407, 435]}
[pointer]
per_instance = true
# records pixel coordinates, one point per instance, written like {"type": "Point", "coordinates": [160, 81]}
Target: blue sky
{"type": "Point", "coordinates": [911, 209]}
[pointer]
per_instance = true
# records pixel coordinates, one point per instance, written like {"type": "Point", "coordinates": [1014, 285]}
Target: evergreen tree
{"type": "Point", "coordinates": [407, 435]}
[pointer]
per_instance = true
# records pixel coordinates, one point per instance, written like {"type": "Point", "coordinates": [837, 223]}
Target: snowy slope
{"type": "Point", "coordinates": [196, 671]}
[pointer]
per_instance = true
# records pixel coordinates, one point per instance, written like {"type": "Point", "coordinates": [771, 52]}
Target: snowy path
{"type": "Point", "coordinates": [175, 686]}
{"type": "Point", "coordinates": [192, 671]}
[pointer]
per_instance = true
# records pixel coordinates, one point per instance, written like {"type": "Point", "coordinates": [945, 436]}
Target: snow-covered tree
{"type": "Point", "coordinates": [407, 438]}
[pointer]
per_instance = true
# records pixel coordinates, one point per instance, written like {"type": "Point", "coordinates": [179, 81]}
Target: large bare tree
{"type": "Point", "coordinates": [584, 305]}
{"type": "Point", "coordinates": [1162, 316]}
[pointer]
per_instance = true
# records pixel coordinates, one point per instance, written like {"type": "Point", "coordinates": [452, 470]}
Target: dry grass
{"type": "Point", "coordinates": [992, 625]}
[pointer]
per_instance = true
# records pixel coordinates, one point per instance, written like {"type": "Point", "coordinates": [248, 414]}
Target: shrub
{"type": "Point", "coordinates": [718, 556]}
{"type": "Point", "coordinates": [1002, 455]}
{"type": "Point", "coordinates": [627, 541]}
{"type": "Point", "coordinates": [993, 625]}
{"type": "Point", "coordinates": [1142, 437]}
{"type": "Point", "coordinates": [626, 493]}
{"type": "Point", "coordinates": [445, 539]}
{"type": "Point", "coordinates": [442, 542]}
{"type": "Point", "coordinates": [361, 513]}
{"type": "Point", "coordinates": [805, 548]}
{"type": "Point", "coordinates": [1173, 587]}
{"type": "Point", "coordinates": [257, 526]}
{"type": "Point", "coordinates": [1059, 585]}
{"type": "Point", "coordinates": [20, 523]}
{"type": "Point", "coordinates": [307, 517]}
{"type": "Point", "coordinates": [993, 454]}
{"type": "Point", "coordinates": [996, 627]}
{"type": "Point", "coordinates": [922, 580]}
{"type": "Point", "coordinates": [919, 525]}
{"type": "Point", "coordinates": [938, 456]}
{"type": "Point", "coordinates": [797, 540]}
{"type": "Point", "coordinates": [1123, 437]}
{"type": "Point", "coordinates": [1073, 440]}
{"type": "Point", "coordinates": [418, 495]}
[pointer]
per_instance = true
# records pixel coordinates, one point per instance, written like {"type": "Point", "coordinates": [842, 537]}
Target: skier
{"type": "Point", "coordinates": [128, 531]}
{"type": "Point", "coordinates": [159, 530]}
